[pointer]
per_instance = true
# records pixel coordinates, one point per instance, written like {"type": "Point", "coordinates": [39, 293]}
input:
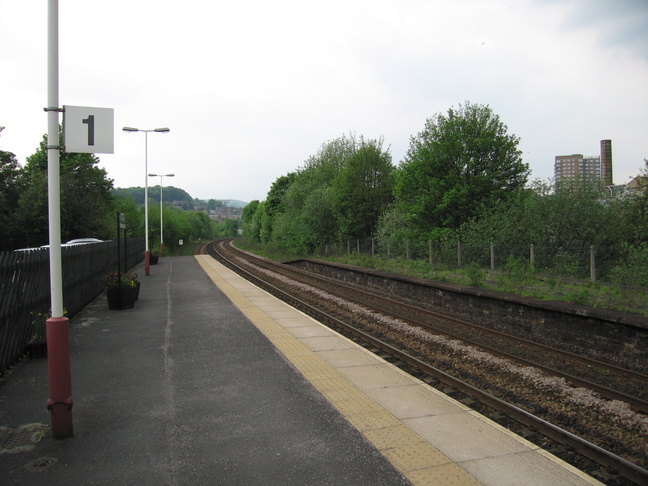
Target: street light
{"type": "Point", "coordinates": [147, 253]}
{"type": "Point", "coordinates": [161, 224]}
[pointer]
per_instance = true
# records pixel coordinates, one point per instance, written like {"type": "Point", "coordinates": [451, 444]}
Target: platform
{"type": "Point", "coordinates": [210, 380]}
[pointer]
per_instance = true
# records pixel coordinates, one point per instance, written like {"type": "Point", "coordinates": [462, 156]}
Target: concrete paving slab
{"type": "Point", "coordinates": [522, 469]}
{"type": "Point", "coordinates": [309, 331]}
{"type": "Point", "coordinates": [449, 432]}
{"type": "Point", "coordinates": [409, 401]}
{"type": "Point", "coordinates": [351, 356]}
{"type": "Point", "coordinates": [374, 376]}
{"type": "Point", "coordinates": [327, 343]}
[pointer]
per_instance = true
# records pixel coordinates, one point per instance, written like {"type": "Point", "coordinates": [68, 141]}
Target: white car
{"type": "Point", "coordinates": [83, 241]}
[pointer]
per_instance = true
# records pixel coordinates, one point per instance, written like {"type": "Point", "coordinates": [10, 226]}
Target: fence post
{"type": "Point", "coordinates": [532, 255]}
{"type": "Point", "coordinates": [592, 264]}
{"type": "Point", "coordinates": [430, 251]}
{"type": "Point", "coordinates": [358, 245]}
{"type": "Point", "coordinates": [388, 248]}
{"type": "Point", "coordinates": [348, 247]}
{"type": "Point", "coordinates": [373, 247]}
{"type": "Point", "coordinates": [492, 254]}
{"type": "Point", "coordinates": [459, 253]}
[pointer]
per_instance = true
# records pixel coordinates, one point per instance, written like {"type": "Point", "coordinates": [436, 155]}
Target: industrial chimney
{"type": "Point", "coordinates": [606, 162]}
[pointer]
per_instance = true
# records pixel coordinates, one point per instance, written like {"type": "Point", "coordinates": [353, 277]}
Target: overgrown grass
{"type": "Point", "coordinates": [517, 278]}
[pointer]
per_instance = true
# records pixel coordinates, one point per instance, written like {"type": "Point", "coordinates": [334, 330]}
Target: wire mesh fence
{"type": "Point", "coordinates": [578, 261]}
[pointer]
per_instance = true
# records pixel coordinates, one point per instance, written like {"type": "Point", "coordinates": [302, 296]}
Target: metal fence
{"type": "Point", "coordinates": [25, 286]}
{"type": "Point", "coordinates": [582, 261]}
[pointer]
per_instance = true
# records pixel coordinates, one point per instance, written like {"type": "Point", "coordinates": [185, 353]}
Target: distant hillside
{"type": "Point", "coordinates": [173, 194]}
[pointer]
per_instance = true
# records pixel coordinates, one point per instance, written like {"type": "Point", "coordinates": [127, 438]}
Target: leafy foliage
{"type": "Point", "coordinates": [11, 187]}
{"type": "Point", "coordinates": [363, 190]}
{"type": "Point", "coordinates": [88, 204]}
{"type": "Point", "coordinates": [461, 165]}
{"type": "Point", "coordinates": [340, 193]}
{"type": "Point", "coordinates": [85, 198]}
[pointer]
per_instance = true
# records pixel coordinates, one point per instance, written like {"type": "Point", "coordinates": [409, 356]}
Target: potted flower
{"type": "Point", "coordinates": [37, 345]}
{"type": "Point", "coordinates": [122, 290]}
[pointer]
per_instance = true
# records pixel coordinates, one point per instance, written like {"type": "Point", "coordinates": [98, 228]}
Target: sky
{"type": "Point", "coordinates": [251, 89]}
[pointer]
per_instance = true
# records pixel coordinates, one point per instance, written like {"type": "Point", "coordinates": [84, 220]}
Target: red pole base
{"type": "Point", "coordinates": [60, 376]}
{"type": "Point", "coordinates": [161, 250]}
{"type": "Point", "coordinates": [147, 262]}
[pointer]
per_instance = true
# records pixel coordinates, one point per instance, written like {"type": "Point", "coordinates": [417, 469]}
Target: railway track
{"type": "Point", "coordinates": [516, 377]}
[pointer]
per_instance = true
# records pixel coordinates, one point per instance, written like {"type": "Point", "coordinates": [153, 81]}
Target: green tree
{"type": "Point", "coordinates": [562, 225]}
{"type": "Point", "coordinates": [134, 217]}
{"type": "Point", "coordinates": [11, 186]}
{"type": "Point", "coordinates": [308, 219]}
{"type": "Point", "coordinates": [362, 190]}
{"type": "Point", "coordinates": [250, 230]}
{"type": "Point", "coordinates": [213, 204]}
{"type": "Point", "coordinates": [457, 168]}
{"type": "Point", "coordinates": [273, 205]}
{"type": "Point", "coordinates": [86, 202]}
{"type": "Point", "coordinates": [228, 228]}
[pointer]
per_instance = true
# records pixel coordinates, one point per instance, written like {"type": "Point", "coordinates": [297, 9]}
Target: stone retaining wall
{"type": "Point", "coordinates": [597, 332]}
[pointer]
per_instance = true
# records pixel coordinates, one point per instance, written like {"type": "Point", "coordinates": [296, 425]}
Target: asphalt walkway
{"type": "Point", "coordinates": [182, 389]}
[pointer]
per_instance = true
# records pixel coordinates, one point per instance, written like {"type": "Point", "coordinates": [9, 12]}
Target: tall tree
{"type": "Point", "coordinates": [250, 230]}
{"type": "Point", "coordinates": [273, 205]}
{"type": "Point", "coordinates": [10, 190]}
{"type": "Point", "coordinates": [86, 201]}
{"type": "Point", "coordinates": [363, 189]}
{"type": "Point", "coordinates": [460, 165]}
{"type": "Point", "coordinates": [308, 219]}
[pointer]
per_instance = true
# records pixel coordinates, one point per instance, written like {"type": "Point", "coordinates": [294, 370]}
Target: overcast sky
{"type": "Point", "coordinates": [250, 89]}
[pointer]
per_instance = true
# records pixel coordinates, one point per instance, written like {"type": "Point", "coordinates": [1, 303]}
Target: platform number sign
{"type": "Point", "coordinates": [90, 122]}
{"type": "Point", "coordinates": [88, 130]}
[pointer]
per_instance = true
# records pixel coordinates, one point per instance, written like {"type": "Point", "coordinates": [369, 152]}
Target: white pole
{"type": "Point", "coordinates": [57, 326]}
{"type": "Point", "coordinates": [161, 225]}
{"type": "Point", "coordinates": [53, 177]}
{"type": "Point", "coordinates": [147, 258]}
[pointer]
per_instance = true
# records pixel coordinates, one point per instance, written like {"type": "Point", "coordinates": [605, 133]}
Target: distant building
{"type": "Point", "coordinates": [222, 213]}
{"type": "Point", "coordinates": [638, 185]}
{"type": "Point", "coordinates": [576, 167]}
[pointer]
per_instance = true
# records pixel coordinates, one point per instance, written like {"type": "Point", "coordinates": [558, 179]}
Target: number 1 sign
{"type": "Point", "coordinates": [88, 130]}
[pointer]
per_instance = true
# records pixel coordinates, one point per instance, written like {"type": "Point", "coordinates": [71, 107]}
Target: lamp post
{"type": "Point", "coordinates": [147, 253]}
{"type": "Point", "coordinates": [161, 221]}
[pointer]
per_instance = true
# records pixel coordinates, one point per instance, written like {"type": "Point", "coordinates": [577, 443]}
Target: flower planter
{"type": "Point", "coordinates": [37, 349]}
{"type": "Point", "coordinates": [123, 298]}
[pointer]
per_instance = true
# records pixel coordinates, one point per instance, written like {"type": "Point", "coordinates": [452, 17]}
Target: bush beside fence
{"type": "Point", "coordinates": [25, 286]}
{"type": "Point", "coordinates": [580, 261]}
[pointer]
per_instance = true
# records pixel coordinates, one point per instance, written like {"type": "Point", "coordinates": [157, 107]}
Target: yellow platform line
{"type": "Point", "coordinates": [420, 462]}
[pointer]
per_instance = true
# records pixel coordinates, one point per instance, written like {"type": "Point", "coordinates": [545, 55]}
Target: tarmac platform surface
{"type": "Point", "coordinates": [208, 380]}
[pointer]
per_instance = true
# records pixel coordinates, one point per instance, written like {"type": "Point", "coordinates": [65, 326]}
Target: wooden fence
{"type": "Point", "coordinates": [25, 286]}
